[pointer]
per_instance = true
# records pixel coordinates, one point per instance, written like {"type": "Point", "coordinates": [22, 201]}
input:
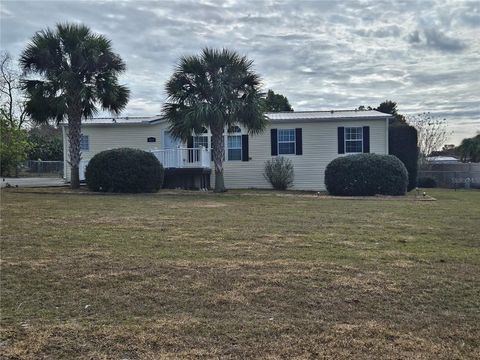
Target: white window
{"type": "Point", "coordinates": [353, 140]}
{"type": "Point", "coordinates": [201, 139]}
{"type": "Point", "coordinates": [84, 143]}
{"type": "Point", "coordinates": [286, 141]}
{"type": "Point", "coordinates": [234, 143]}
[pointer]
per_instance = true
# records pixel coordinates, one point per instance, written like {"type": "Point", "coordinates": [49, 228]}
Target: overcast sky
{"type": "Point", "coordinates": [322, 55]}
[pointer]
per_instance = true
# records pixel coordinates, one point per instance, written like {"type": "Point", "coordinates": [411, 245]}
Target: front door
{"type": "Point", "coordinates": [169, 142]}
{"type": "Point", "coordinates": [172, 152]}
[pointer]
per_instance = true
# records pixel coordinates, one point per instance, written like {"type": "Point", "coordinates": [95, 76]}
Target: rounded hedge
{"type": "Point", "coordinates": [366, 175]}
{"type": "Point", "coordinates": [124, 170]}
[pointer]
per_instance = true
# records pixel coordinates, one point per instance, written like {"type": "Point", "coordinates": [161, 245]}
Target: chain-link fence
{"type": "Point", "coordinates": [41, 168]}
{"type": "Point", "coordinates": [453, 176]}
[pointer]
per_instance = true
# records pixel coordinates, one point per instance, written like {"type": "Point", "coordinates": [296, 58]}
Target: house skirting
{"type": "Point", "coordinates": [187, 178]}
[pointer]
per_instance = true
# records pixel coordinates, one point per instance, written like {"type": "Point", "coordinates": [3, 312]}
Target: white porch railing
{"type": "Point", "coordinates": [184, 157]}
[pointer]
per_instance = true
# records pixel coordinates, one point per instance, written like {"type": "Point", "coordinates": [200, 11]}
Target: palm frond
{"type": "Point", "coordinates": [43, 54]}
{"type": "Point", "coordinates": [43, 102]}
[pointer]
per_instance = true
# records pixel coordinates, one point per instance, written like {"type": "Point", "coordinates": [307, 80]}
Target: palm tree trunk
{"type": "Point", "coordinates": [74, 128]}
{"type": "Point", "coordinates": [218, 148]}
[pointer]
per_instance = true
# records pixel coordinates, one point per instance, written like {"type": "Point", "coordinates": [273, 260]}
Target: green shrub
{"type": "Point", "coordinates": [124, 170]}
{"type": "Point", "coordinates": [426, 182]}
{"type": "Point", "coordinates": [13, 147]}
{"type": "Point", "coordinates": [366, 175]}
{"type": "Point", "coordinates": [402, 142]}
{"type": "Point", "coordinates": [279, 173]}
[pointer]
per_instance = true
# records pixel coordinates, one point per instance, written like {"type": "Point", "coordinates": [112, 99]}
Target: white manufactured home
{"type": "Point", "coordinates": [311, 139]}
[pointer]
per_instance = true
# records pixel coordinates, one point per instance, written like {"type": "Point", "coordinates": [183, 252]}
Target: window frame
{"type": "Point", "coordinates": [235, 132]}
{"type": "Point", "coordinates": [345, 140]}
{"type": "Point", "coordinates": [201, 135]}
{"type": "Point", "coordinates": [204, 141]}
{"type": "Point", "coordinates": [82, 142]}
{"type": "Point", "coordinates": [287, 142]}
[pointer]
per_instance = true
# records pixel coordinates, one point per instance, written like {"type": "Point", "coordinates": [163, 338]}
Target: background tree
{"type": "Point", "coordinates": [364, 108]}
{"type": "Point", "coordinates": [447, 150]}
{"type": "Point", "coordinates": [276, 102]}
{"type": "Point", "coordinates": [432, 132]}
{"type": "Point", "coordinates": [469, 149]}
{"type": "Point", "coordinates": [217, 89]}
{"type": "Point", "coordinates": [45, 143]}
{"type": "Point", "coordinates": [13, 147]}
{"type": "Point", "coordinates": [12, 101]}
{"type": "Point", "coordinates": [390, 107]}
{"type": "Point", "coordinates": [76, 70]}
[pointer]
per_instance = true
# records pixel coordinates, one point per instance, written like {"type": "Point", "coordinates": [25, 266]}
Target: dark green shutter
{"type": "Point", "coordinates": [298, 141]}
{"type": "Point", "coordinates": [190, 142]}
{"type": "Point", "coordinates": [273, 141]}
{"type": "Point", "coordinates": [366, 139]}
{"type": "Point", "coordinates": [341, 139]}
{"type": "Point", "coordinates": [245, 148]}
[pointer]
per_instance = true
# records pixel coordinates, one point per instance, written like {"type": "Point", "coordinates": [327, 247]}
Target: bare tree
{"type": "Point", "coordinates": [432, 132]}
{"type": "Point", "coordinates": [12, 102]}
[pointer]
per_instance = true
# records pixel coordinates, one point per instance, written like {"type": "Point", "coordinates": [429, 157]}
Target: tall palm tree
{"type": "Point", "coordinates": [75, 71]}
{"type": "Point", "coordinates": [216, 89]}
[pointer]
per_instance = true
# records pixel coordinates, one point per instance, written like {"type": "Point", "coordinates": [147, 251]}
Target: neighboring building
{"type": "Point", "coordinates": [442, 160]}
{"type": "Point", "coordinates": [449, 172]}
{"type": "Point", "coordinates": [311, 139]}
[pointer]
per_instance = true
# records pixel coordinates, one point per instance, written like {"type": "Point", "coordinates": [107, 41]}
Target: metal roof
{"type": "Point", "coordinates": [326, 115]}
{"type": "Point", "coordinates": [442, 159]}
{"type": "Point", "coordinates": [146, 120]}
{"type": "Point", "coordinates": [291, 116]}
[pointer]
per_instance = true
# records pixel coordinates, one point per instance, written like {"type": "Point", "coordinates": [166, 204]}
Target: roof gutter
{"type": "Point", "coordinates": [312, 120]}
{"type": "Point", "coordinates": [151, 122]}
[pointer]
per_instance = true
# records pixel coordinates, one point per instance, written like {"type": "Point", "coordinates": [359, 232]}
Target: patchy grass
{"type": "Point", "coordinates": [187, 275]}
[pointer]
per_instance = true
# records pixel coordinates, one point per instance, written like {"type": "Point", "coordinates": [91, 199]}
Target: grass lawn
{"type": "Point", "coordinates": [256, 275]}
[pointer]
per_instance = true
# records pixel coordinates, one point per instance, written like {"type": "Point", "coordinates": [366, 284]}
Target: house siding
{"type": "Point", "coordinates": [319, 148]}
{"type": "Point", "coordinates": [116, 136]}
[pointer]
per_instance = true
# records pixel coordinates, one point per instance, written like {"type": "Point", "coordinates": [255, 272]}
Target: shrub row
{"type": "Point", "coordinates": [133, 171]}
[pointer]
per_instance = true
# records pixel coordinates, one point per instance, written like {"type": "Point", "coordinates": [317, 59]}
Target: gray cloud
{"type": "Point", "coordinates": [414, 37]}
{"type": "Point", "coordinates": [320, 54]}
{"type": "Point", "coordinates": [435, 39]}
{"type": "Point", "coordinates": [384, 31]}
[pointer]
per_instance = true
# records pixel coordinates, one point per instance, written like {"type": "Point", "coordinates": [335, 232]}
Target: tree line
{"type": "Point", "coordinates": [21, 139]}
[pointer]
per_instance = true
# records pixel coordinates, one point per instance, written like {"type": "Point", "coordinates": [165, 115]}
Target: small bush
{"type": "Point", "coordinates": [426, 182]}
{"type": "Point", "coordinates": [124, 170]}
{"type": "Point", "coordinates": [279, 173]}
{"type": "Point", "coordinates": [366, 175]}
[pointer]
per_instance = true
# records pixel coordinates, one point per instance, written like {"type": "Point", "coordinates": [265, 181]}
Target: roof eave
{"type": "Point", "coordinates": [333, 119]}
{"type": "Point", "coordinates": [148, 122]}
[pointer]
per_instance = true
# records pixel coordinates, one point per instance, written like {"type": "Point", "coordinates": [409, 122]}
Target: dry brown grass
{"type": "Point", "coordinates": [193, 275]}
